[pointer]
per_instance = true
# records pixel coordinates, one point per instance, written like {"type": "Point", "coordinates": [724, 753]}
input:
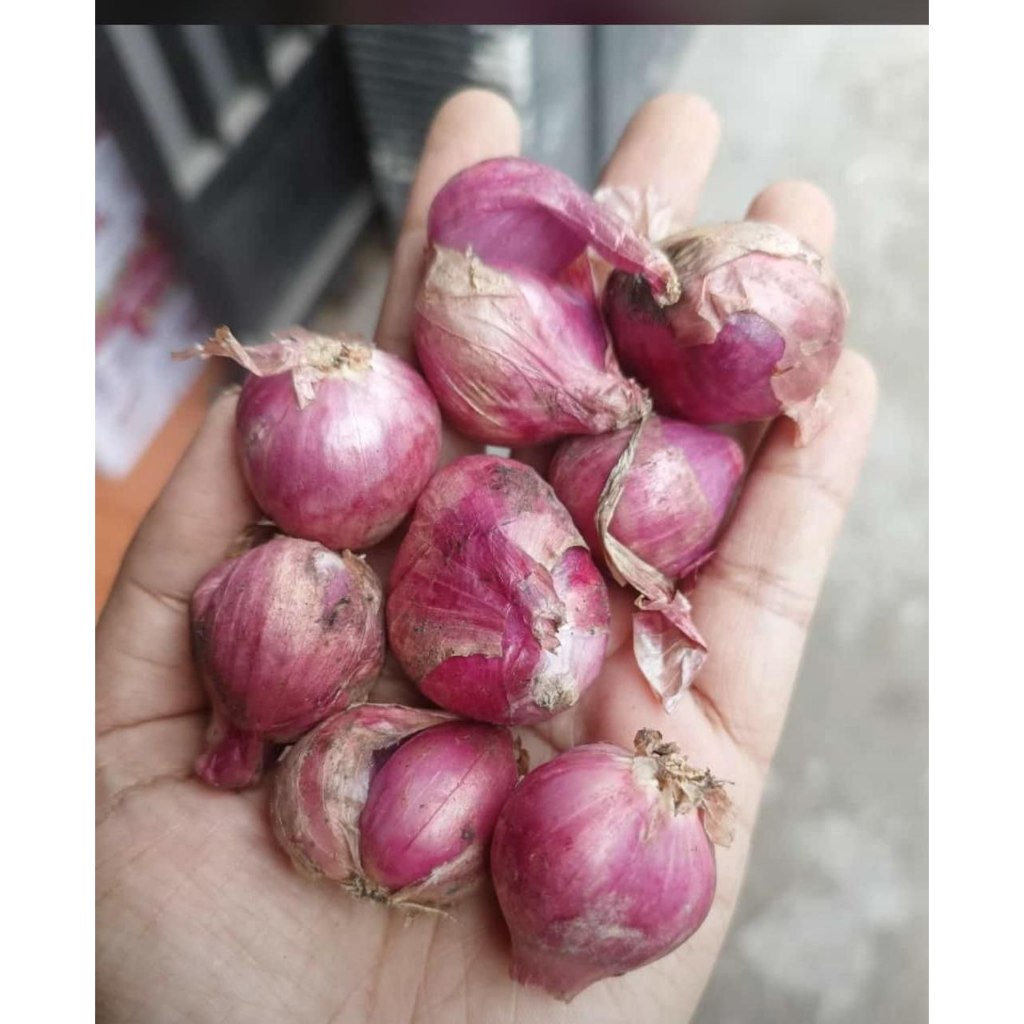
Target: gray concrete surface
{"type": "Point", "coordinates": [832, 926]}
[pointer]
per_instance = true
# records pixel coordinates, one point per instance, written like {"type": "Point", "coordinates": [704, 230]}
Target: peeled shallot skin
{"type": "Point", "coordinates": [602, 863]}
{"type": "Point", "coordinates": [336, 438]}
{"type": "Point", "coordinates": [495, 608]}
{"type": "Point", "coordinates": [756, 332]}
{"type": "Point", "coordinates": [284, 635]}
{"type": "Point", "coordinates": [677, 490]}
{"type": "Point", "coordinates": [396, 804]}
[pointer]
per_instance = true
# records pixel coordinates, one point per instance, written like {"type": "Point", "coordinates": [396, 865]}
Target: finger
{"type": "Point", "coordinates": [669, 146]}
{"type": "Point", "coordinates": [144, 666]}
{"type": "Point", "coordinates": [755, 598]}
{"type": "Point", "coordinates": [473, 125]}
{"type": "Point", "coordinates": [799, 207]}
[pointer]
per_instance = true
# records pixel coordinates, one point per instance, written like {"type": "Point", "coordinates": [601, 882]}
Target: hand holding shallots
{"type": "Point", "coordinates": [201, 914]}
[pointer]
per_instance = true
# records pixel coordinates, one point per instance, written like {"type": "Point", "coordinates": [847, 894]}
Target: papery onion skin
{"type": "Point", "coordinates": [284, 636]}
{"type": "Point", "coordinates": [677, 491]}
{"type": "Point", "coordinates": [336, 438]}
{"type": "Point", "coordinates": [515, 358]}
{"type": "Point", "coordinates": [598, 869]}
{"type": "Point", "coordinates": [757, 331]}
{"type": "Point", "coordinates": [433, 804]}
{"type": "Point", "coordinates": [415, 781]}
{"type": "Point", "coordinates": [651, 500]}
{"type": "Point", "coordinates": [321, 785]}
{"type": "Point", "coordinates": [495, 608]}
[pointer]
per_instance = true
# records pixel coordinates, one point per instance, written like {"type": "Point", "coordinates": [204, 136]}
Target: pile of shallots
{"type": "Point", "coordinates": [535, 298]}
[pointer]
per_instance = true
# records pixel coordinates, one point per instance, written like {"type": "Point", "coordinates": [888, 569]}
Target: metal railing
{"type": "Point", "coordinates": [245, 140]}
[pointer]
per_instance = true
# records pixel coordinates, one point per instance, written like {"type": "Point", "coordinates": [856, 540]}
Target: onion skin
{"type": "Point", "coordinates": [650, 500]}
{"type": "Point", "coordinates": [284, 636]}
{"type": "Point", "coordinates": [756, 333]}
{"type": "Point", "coordinates": [336, 438]}
{"type": "Point", "coordinates": [379, 775]}
{"type": "Point", "coordinates": [495, 608]}
{"type": "Point", "coordinates": [677, 491]}
{"type": "Point", "coordinates": [515, 358]}
{"type": "Point", "coordinates": [602, 862]}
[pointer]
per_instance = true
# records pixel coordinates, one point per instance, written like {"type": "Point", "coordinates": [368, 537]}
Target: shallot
{"type": "Point", "coordinates": [515, 358]}
{"type": "Point", "coordinates": [336, 437]}
{"type": "Point", "coordinates": [603, 861]}
{"type": "Point", "coordinates": [397, 804]}
{"type": "Point", "coordinates": [507, 328]}
{"type": "Point", "coordinates": [650, 500]}
{"type": "Point", "coordinates": [514, 211]}
{"type": "Point", "coordinates": [284, 635]}
{"type": "Point", "coordinates": [495, 608]}
{"type": "Point", "coordinates": [756, 332]}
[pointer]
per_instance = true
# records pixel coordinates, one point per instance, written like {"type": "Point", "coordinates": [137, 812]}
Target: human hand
{"type": "Point", "coordinates": [201, 917]}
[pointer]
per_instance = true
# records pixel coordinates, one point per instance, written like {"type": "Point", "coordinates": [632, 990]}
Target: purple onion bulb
{"type": "Point", "coordinates": [396, 804]}
{"type": "Point", "coordinates": [651, 500]}
{"type": "Point", "coordinates": [676, 491]}
{"type": "Point", "coordinates": [495, 608]}
{"type": "Point", "coordinates": [507, 326]}
{"type": "Point", "coordinates": [603, 862]}
{"type": "Point", "coordinates": [756, 332]}
{"type": "Point", "coordinates": [515, 358]}
{"type": "Point", "coordinates": [432, 806]}
{"type": "Point", "coordinates": [336, 438]}
{"type": "Point", "coordinates": [284, 635]}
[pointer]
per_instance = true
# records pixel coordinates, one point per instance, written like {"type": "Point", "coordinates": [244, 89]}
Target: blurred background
{"type": "Point", "coordinates": [255, 176]}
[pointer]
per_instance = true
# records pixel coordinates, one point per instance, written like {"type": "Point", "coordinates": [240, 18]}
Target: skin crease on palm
{"type": "Point", "coordinates": [200, 916]}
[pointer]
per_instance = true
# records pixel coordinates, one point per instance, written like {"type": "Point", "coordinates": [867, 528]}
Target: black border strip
{"type": "Point", "coordinates": [555, 12]}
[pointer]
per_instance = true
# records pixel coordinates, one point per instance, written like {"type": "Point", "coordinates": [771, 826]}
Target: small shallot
{"type": "Point", "coordinates": [284, 636]}
{"type": "Point", "coordinates": [603, 861]}
{"type": "Point", "coordinates": [495, 608]}
{"type": "Point", "coordinates": [515, 358]}
{"type": "Point", "coordinates": [397, 804]}
{"type": "Point", "coordinates": [507, 328]}
{"type": "Point", "coordinates": [514, 211]}
{"type": "Point", "coordinates": [650, 500]}
{"type": "Point", "coordinates": [336, 437]}
{"type": "Point", "coordinates": [756, 332]}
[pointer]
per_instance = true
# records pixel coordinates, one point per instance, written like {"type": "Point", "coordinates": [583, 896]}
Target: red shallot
{"type": "Point", "coordinates": [336, 437]}
{"type": "Point", "coordinates": [507, 328]}
{"type": "Point", "coordinates": [756, 332]}
{"type": "Point", "coordinates": [513, 211]}
{"type": "Point", "coordinates": [603, 861]}
{"type": "Point", "coordinates": [495, 608]}
{"type": "Point", "coordinates": [397, 804]}
{"type": "Point", "coordinates": [284, 635]}
{"type": "Point", "coordinates": [650, 500]}
{"type": "Point", "coordinates": [516, 358]}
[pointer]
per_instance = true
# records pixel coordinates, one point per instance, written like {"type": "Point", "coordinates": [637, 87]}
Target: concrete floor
{"type": "Point", "coordinates": [832, 925]}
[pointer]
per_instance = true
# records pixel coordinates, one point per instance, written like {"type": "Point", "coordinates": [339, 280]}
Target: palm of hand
{"type": "Point", "coordinates": [200, 915]}
{"type": "Point", "coordinates": [195, 875]}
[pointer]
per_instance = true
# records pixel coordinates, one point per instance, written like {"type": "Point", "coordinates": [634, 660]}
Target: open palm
{"type": "Point", "coordinates": [200, 916]}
